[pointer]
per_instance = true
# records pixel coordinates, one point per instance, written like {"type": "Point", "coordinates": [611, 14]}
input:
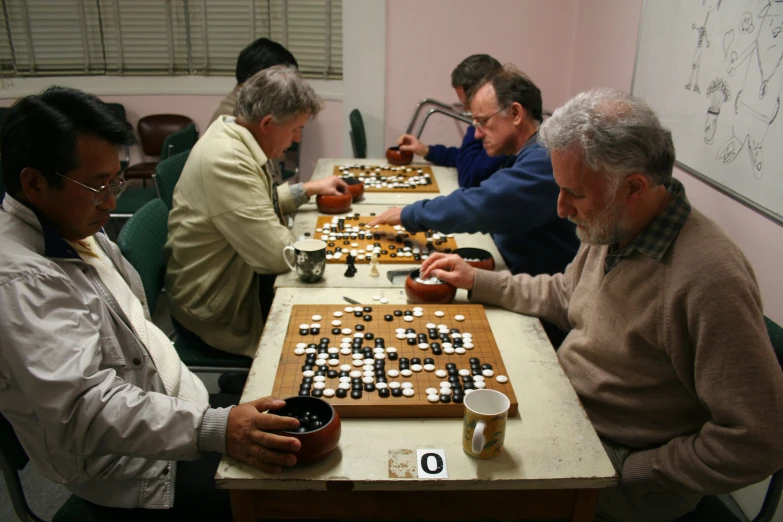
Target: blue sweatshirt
{"type": "Point", "coordinates": [516, 205]}
{"type": "Point", "coordinates": [472, 162]}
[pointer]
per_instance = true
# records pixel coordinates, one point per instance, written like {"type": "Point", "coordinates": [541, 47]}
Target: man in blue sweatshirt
{"type": "Point", "coordinates": [517, 205]}
{"type": "Point", "coordinates": [471, 160]}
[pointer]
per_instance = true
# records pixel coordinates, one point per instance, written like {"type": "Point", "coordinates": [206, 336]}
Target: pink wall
{"type": "Point", "coordinates": [606, 37]}
{"type": "Point", "coordinates": [320, 138]}
{"type": "Point", "coordinates": [534, 35]}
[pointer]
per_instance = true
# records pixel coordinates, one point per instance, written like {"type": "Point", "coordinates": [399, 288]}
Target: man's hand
{"type": "Point", "coordinates": [408, 142]}
{"type": "Point", "coordinates": [249, 436]}
{"type": "Point", "coordinates": [449, 268]}
{"type": "Point", "coordinates": [330, 186]}
{"type": "Point", "coordinates": [390, 217]}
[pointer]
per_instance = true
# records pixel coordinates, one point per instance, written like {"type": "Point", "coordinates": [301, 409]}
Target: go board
{"type": "Point", "coordinates": [367, 356]}
{"type": "Point", "coordinates": [386, 178]}
{"type": "Point", "coordinates": [396, 244]}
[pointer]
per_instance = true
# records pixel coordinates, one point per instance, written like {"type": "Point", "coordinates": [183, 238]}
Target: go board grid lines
{"type": "Point", "coordinates": [289, 370]}
{"type": "Point", "coordinates": [373, 175]}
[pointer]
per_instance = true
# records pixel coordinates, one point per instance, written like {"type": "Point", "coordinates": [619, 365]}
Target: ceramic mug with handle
{"type": "Point", "coordinates": [484, 427]}
{"type": "Point", "coordinates": [309, 259]}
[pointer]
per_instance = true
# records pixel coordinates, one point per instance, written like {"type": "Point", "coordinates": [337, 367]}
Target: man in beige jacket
{"type": "Point", "coordinates": [226, 227]}
{"type": "Point", "coordinates": [666, 345]}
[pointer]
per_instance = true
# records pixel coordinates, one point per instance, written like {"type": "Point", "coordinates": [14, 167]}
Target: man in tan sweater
{"type": "Point", "coordinates": [666, 348]}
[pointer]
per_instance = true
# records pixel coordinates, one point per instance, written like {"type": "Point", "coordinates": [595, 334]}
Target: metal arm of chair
{"type": "Point", "coordinates": [422, 103]}
{"type": "Point", "coordinates": [450, 114]}
{"type": "Point", "coordinates": [772, 498]}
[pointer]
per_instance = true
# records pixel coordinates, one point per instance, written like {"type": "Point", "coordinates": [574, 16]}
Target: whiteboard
{"type": "Point", "coordinates": [712, 71]}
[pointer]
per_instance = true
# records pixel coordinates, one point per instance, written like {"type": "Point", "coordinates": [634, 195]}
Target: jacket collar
{"type": "Point", "coordinates": [53, 243]}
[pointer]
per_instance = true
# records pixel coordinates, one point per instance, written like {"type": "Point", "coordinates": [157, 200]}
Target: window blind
{"type": "Point", "coordinates": [164, 37]}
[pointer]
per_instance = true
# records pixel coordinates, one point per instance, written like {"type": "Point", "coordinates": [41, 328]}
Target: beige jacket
{"type": "Point", "coordinates": [226, 106]}
{"type": "Point", "coordinates": [223, 229]}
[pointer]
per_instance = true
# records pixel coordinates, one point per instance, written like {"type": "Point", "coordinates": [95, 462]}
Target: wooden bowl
{"type": "Point", "coordinates": [478, 258]}
{"type": "Point", "coordinates": [316, 443]}
{"type": "Point", "coordinates": [334, 204]}
{"type": "Point", "coordinates": [418, 292]}
{"type": "Point", "coordinates": [395, 156]}
{"type": "Point", "coordinates": [355, 187]}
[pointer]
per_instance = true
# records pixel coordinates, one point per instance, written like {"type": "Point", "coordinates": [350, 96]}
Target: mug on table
{"type": "Point", "coordinates": [484, 426]}
{"type": "Point", "coordinates": [309, 259]}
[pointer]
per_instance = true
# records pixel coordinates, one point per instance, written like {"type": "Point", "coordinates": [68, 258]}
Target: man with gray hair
{"type": "Point", "coordinates": [666, 345]}
{"type": "Point", "coordinates": [227, 226]}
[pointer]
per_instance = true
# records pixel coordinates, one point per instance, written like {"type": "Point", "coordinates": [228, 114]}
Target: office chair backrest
{"type": "Point", "coordinates": [180, 141]}
{"type": "Point", "coordinates": [154, 129]}
{"type": "Point", "coordinates": [141, 241]}
{"type": "Point", "coordinates": [167, 174]}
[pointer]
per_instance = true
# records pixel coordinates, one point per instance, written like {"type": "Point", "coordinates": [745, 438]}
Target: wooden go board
{"type": "Point", "coordinates": [392, 241]}
{"type": "Point", "coordinates": [382, 364]}
{"type": "Point", "coordinates": [386, 178]}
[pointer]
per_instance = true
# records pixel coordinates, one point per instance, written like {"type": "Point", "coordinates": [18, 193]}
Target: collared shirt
{"type": "Point", "coordinates": [655, 239]}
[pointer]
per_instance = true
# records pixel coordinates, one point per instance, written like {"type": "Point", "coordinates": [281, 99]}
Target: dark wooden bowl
{"type": "Point", "coordinates": [485, 259]}
{"type": "Point", "coordinates": [318, 443]}
{"type": "Point", "coordinates": [395, 156]}
{"type": "Point", "coordinates": [440, 293]}
{"type": "Point", "coordinates": [355, 187]}
{"type": "Point", "coordinates": [334, 204]}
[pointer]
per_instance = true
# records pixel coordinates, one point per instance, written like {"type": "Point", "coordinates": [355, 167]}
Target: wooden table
{"type": "Point", "coordinates": [552, 465]}
{"type": "Point", "coordinates": [445, 176]}
{"type": "Point", "coordinates": [334, 274]}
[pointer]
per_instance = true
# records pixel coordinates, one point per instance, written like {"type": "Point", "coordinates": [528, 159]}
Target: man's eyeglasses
{"type": "Point", "coordinates": [116, 187]}
{"type": "Point", "coordinates": [483, 121]}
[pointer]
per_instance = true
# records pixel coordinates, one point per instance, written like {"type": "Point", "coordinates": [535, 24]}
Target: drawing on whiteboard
{"type": "Point", "coordinates": [757, 104]}
{"type": "Point", "coordinates": [746, 23]}
{"type": "Point", "coordinates": [718, 93]}
{"type": "Point", "coordinates": [703, 40]}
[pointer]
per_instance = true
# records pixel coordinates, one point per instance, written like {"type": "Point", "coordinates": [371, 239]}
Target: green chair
{"type": "Point", "coordinates": [180, 141]}
{"type": "Point", "coordinates": [167, 174]}
{"type": "Point", "coordinates": [13, 459]}
{"type": "Point", "coordinates": [141, 241]}
{"type": "Point", "coordinates": [358, 137]}
{"type": "Point", "coordinates": [711, 508]}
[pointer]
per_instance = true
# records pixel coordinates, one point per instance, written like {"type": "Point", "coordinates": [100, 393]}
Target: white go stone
{"type": "Point", "coordinates": [429, 367]}
{"type": "Point", "coordinates": [438, 313]}
{"type": "Point", "coordinates": [393, 373]}
{"type": "Point", "coordinates": [468, 392]}
{"type": "Point", "coordinates": [315, 325]}
{"type": "Point", "coordinates": [344, 368]}
{"type": "Point", "coordinates": [316, 318]}
{"type": "Point", "coordinates": [407, 385]}
{"type": "Point", "coordinates": [300, 351]}
{"type": "Point", "coordinates": [308, 373]}
{"type": "Point", "coordinates": [423, 346]}
{"type": "Point", "coordinates": [408, 392]}
{"type": "Point", "coordinates": [368, 373]}
{"type": "Point", "coordinates": [367, 380]}
{"type": "Point", "coordinates": [456, 336]}
{"type": "Point", "coordinates": [357, 356]}
{"type": "Point", "coordinates": [410, 335]}
{"type": "Point", "coordinates": [429, 326]}
{"type": "Point", "coordinates": [394, 385]}
{"type": "Point", "coordinates": [433, 397]}
{"type": "Point", "coordinates": [406, 373]}
{"type": "Point", "coordinates": [478, 378]}
{"type": "Point", "coordinates": [418, 309]}
{"type": "Point", "coordinates": [346, 385]}
{"type": "Point", "coordinates": [355, 373]}
{"type": "Point", "coordinates": [322, 356]}
{"type": "Point", "coordinates": [409, 318]}
{"type": "Point", "coordinates": [328, 392]}
{"type": "Point", "coordinates": [417, 367]}
{"type": "Point", "coordinates": [441, 373]}
{"type": "Point", "coordinates": [358, 362]}
{"type": "Point", "coordinates": [345, 351]}
{"type": "Point", "coordinates": [480, 384]}
{"type": "Point", "coordinates": [391, 349]}
{"type": "Point", "coordinates": [319, 378]}
{"type": "Point", "coordinates": [468, 346]}
{"type": "Point", "coordinates": [346, 331]}
{"type": "Point", "coordinates": [337, 322]}
{"type": "Point", "coordinates": [347, 340]}
{"type": "Point", "coordinates": [467, 335]}
{"type": "Point", "coordinates": [338, 314]}
{"type": "Point", "coordinates": [301, 345]}
{"type": "Point", "coordinates": [333, 350]}
{"type": "Point", "coordinates": [445, 391]}
{"type": "Point", "coordinates": [380, 356]}
{"type": "Point", "coordinates": [447, 345]}
{"type": "Point", "coordinates": [398, 330]}
{"type": "Point", "coordinates": [303, 326]}
{"type": "Point", "coordinates": [384, 301]}
{"type": "Point", "coordinates": [502, 379]}
{"type": "Point", "coordinates": [334, 362]}
{"type": "Point", "coordinates": [430, 391]}
{"type": "Point", "coordinates": [487, 373]}
{"type": "Point", "coordinates": [459, 350]}
{"type": "Point", "coordinates": [418, 314]}
{"type": "Point", "coordinates": [345, 379]}
{"type": "Point", "coordinates": [378, 349]}
{"type": "Point", "coordinates": [459, 318]}
{"type": "Point", "coordinates": [376, 298]}
{"type": "Point", "coordinates": [464, 372]}
{"type": "Point", "coordinates": [401, 335]}
{"type": "Point", "coordinates": [381, 385]}
{"type": "Point", "coordinates": [319, 385]}
{"type": "Point", "coordinates": [359, 335]}
{"type": "Point", "coordinates": [448, 349]}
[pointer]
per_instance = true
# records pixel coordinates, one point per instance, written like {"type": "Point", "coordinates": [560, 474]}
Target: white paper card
{"type": "Point", "coordinates": [431, 463]}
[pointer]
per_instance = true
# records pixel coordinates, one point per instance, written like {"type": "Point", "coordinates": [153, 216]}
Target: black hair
{"type": "Point", "coordinates": [471, 72]}
{"type": "Point", "coordinates": [41, 132]}
{"type": "Point", "coordinates": [259, 55]}
{"type": "Point", "coordinates": [512, 85]}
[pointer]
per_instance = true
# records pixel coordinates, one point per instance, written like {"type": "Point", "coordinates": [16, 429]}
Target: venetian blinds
{"type": "Point", "coordinates": [164, 37]}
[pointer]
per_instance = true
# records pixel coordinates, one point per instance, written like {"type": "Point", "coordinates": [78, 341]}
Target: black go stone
{"type": "Point", "coordinates": [393, 356]}
{"type": "Point", "coordinates": [476, 371]}
{"type": "Point", "coordinates": [317, 393]}
{"type": "Point", "coordinates": [388, 317]}
{"type": "Point", "coordinates": [335, 331]}
{"type": "Point", "coordinates": [433, 334]}
{"type": "Point", "coordinates": [304, 393]}
{"type": "Point", "coordinates": [315, 331]}
{"type": "Point", "coordinates": [356, 394]}
{"type": "Point", "coordinates": [331, 374]}
{"type": "Point", "coordinates": [356, 386]}
{"type": "Point", "coordinates": [369, 336]}
{"type": "Point", "coordinates": [453, 371]}
{"type": "Point", "coordinates": [304, 331]}
{"type": "Point", "coordinates": [392, 255]}
{"type": "Point", "coordinates": [368, 317]}
{"type": "Point", "coordinates": [486, 366]}
{"type": "Point", "coordinates": [358, 313]}
{"type": "Point", "coordinates": [407, 312]}
{"type": "Point", "coordinates": [324, 340]}
{"type": "Point", "coordinates": [450, 366]}
{"type": "Point", "coordinates": [307, 379]}
{"type": "Point", "coordinates": [359, 327]}
{"type": "Point", "coordinates": [415, 360]}
{"type": "Point", "coordinates": [367, 309]}
{"type": "Point", "coordinates": [411, 341]}
{"type": "Point", "coordinates": [397, 313]}
{"type": "Point", "coordinates": [380, 378]}
{"type": "Point", "coordinates": [380, 372]}
{"type": "Point", "coordinates": [469, 385]}
{"type": "Point", "coordinates": [467, 378]}
{"type": "Point", "coordinates": [396, 392]}
{"type": "Point", "coordinates": [454, 378]}
{"type": "Point", "coordinates": [343, 374]}
{"type": "Point", "coordinates": [429, 360]}
{"type": "Point", "coordinates": [454, 330]}
{"type": "Point", "coordinates": [437, 351]}
{"type": "Point", "coordinates": [355, 380]}
{"type": "Point", "coordinates": [305, 386]}
{"type": "Point", "coordinates": [383, 392]}
{"type": "Point", "coordinates": [458, 398]}
{"type": "Point", "coordinates": [445, 399]}
{"type": "Point", "coordinates": [341, 393]}
{"type": "Point", "coordinates": [369, 387]}
{"type": "Point", "coordinates": [405, 361]}
{"type": "Point", "coordinates": [306, 367]}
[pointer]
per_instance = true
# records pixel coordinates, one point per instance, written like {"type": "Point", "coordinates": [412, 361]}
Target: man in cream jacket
{"type": "Point", "coordinates": [227, 227]}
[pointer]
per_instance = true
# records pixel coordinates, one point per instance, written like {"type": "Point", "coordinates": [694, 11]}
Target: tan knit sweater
{"type": "Point", "coordinates": [669, 358]}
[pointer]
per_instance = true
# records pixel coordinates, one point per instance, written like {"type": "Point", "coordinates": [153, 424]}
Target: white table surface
{"type": "Point", "coordinates": [305, 221]}
{"type": "Point", "coordinates": [445, 176]}
{"type": "Point", "coordinates": [551, 444]}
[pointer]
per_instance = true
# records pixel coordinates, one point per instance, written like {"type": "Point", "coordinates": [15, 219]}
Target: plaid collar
{"type": "Point", "coordinates": [655, 239]}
